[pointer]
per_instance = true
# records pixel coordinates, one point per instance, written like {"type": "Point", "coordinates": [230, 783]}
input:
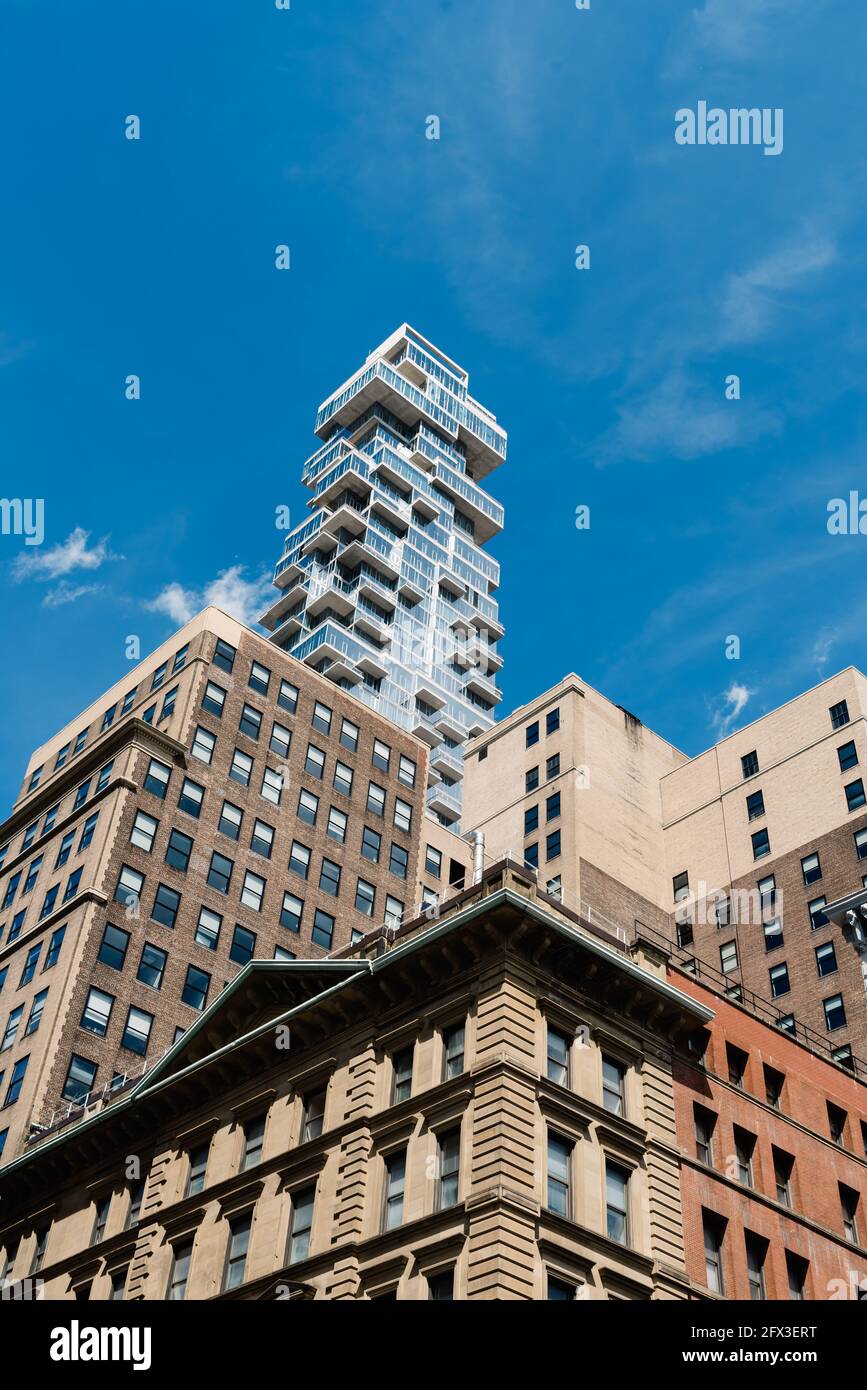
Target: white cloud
{"type": "Point", "coordinates": [243, 598]}
{"type": "Point", "coordinates": [820, 652]}
{"type": "Point", "coordinates": [738, 29]}
{"type": "Point", "coordinates": [751, 299]}
{"type": "Point", "coordinates": [729, 706]}
{"type": "Point", "coordinates": [72, 554]}
{"type": "Point", "coordinates": [69, 593]}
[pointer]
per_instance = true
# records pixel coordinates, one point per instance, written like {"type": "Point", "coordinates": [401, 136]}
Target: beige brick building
{"type": "Point", "coordinates": [223, 802]}
{"type": "Point", "coordinates": [477, 1107]}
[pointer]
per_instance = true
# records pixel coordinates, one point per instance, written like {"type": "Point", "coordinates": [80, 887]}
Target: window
{"type": "Point", "coordinates": [750, 764]}
{"type": "Point", "coordinates": [376, 799]}
{"type": "Point", "coordinates": [843, 1055]}
{"type": "Point", "coordinates": [835, 1013]}
{"type": "Point", "coordinates": [178, 851]}
{"type": "Point", "coordinates": [558, 1057]}
{"type": "Point", "coordinates": [737, 1064]}
{"type": "Point", "coordinates": [152, 966]}
{"type": "Point", "coordinates": [166, 904]}
{"type": "Point", "coordinates": [817, 915]}
{"type": "Point", "coordinates": [191, 798]}
{"type": "Point", "coordinates": [103, 1206]}
{"type": "Point", "coordinates": [181, 1259]}
{"type": "Point", "coordinates": [48, 822]}
{"type": "Point", "coordinates": [16, 1081]}
{"type": "Point", "coordinates": [97, 1012]}
{"type": "Point", "coordinates": [755, 806]}
{"type": "Point", "coordinates": [783, 1166]}
{"type": "Point", "coordinates": [531, 779]}
{"type": "Point", "coordinates": [552, 721]}
{"type": "Point", "coordinates": [220, 872]}
{"type": "Point", "coordinates": [381, 755]}
{"type": "Point", "coordinates": [849, 1206]}
{"type": "Point", "coordinates": [214, 699]}
{"type": "Point", "coordinates": [401, 1085]}
{"type": "Point", "coordinates": [80, 1077]}
{"type": "Point", "coordinates": [433, 860]}
{"type": "Point", "coordinates": [39, 1252]}
{"type": "Point", "coordinates": [395, 1179]}
{"type": "Point", "coordinates": [714, 1230]}
{"type": "Point", "coordinates": [826, 959]}
{"type": "Point", "coordinates": [839, 715]}
{"type": "Point", "coordinates": [855, 795]}
{"type": "Point", "coordinates": [532, 734]}
{"type": "Point", "coordinates": [203, 745]}
{"type": "Point", "coordinates": [37, 1008]}
{"type": "Point", "coordinates": [774, 1082]}
{"type": "Point", "coordinates": [786, 1022]}
{"type": "Point", "coordinates": [272, 785]}
{"type": "Point", "coordinates": [107, 719]}
{"type": "Point", "coordinates": [224, 655]}
{"type": "Point", "coordinates": [449, 1146]}
{"type": "Point", "coordinates": [349, 735]}
{"type": "Point", "coordinates": [394, 910]}
{"type": "Point", "coordinates": [407, 771]}
{"type": "Point", "coordinates": [198, 1170]}
{"type": "Point", "coordinates": [308, 807]}
{"type": "Point", "coordinates": [811, 868]}
{"type": "Point", "coordinates": [559, 1175]}
{"type": "Point", "coordinates": [705, 1123]}
{"type": "Point", "coordinates": [323, 929]}
{"type": "Point", "coordinates": [65, 848]}
{"type": "Point", "coordinates": [402, 815]}
{"type": "Point", "coordinates": [773, 931]}
{"type": "Point", "coordinates": [441, 1287]}
{"type": "Point", "coordinates": [314, 1115]}
{"type": "Point", "coordinates": [552, 845]}
{"type": "Point", "coordinates": [531, 856]}
{"type": "Point", "coordinates": [728, 955]}
{"type": "Point", "coordinates": [236, 1255]}
{"type": "Point", "coordinates": [613, 1086]}
{"type": "Point", "coordinates": [453, 1051]}
{"type": "Point", "coordinates": [756, 1251]}
{"type": "Point", "coordinates": [30, 963]}
{"type": "Point", "coordinates": [343, 776]}
{"type": "Point", "coordinates": [329, 877]}
{"type": "Point", "coordinates": [531, 819]}
{"type": "Point", "coordinates": [552, 806]}
{"type": "Point", "coordinates": [32, 874]}
{"type": "Point", "coordinates": [253, 891]}
{"type": "Point", "coordinates": [337, 822]}
{"type": "Point", "coordinates": [745, 1143]}
{"type": "Point", "coordinates": [69, 891]}
{"type": "Point", "coordinates": [617, 1201]}
{"type": "Point", "coordinates": [365, 897]}
{"type": "Point", "coordinates": [847, 754]}
{"type": "Point", "coordinates": [796, 1272]}
{"type": "Point", "coordinates": [761, 843]}
{"type": "Point", "coordinates": [250, 722]}
{"type": "Point", "coordinates": [398, 861]}
{"type": "Point", "coordinates": [60, 760]}
{"type": "Point", "coordinates": [196, 986]}
{"type": "Point", "coordinates": [280, 740]}
{"type": "Point", "coordinates": [208, 928]}
{"type": "Point", "coordinates": [861, 843]}
{"type": "Point", "coordinates": [112, 950]}
{"type": "Point", "coordinates": [230, 820]}
{"type": "Point", "coordinates": [299, 859]}
{"type": "Point", "coordinates": [11, 1029]}
{"type": "Point", "coordinates": [254, 1140]}
{"type": "Point", "coordinates": [262, 839]}
{"type": "Point", "coordinates": [243, 945]}
{"type": "Point", "coordinates": [836, 1124]}
{"type": "Point", "coordinates": [48, 903]}
{"type": "Point", "coordinates": [241, 768]}
{"type": "Point", "coordinates": [321, 717]}
{"type": "Point", "coordinates": [779, 977]}
{"type": "Point", "coordinates": [301, 1225]}
{"type": "Point", "coordinates": [87, 832]}
{"type": "Point", "coordinates": [259, 677]}
{"type": "Point", "coordinates": [290, 912]}
{"type": "Point", "coordinates": [137, 1032]}
{"type": "Point", "coordinates": [129, 886]}
{"type": "Point", "coordinates": [144, 828]}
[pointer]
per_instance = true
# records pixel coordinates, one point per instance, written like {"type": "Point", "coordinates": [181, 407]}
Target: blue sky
{"type": "Point", "coordinates": [307, 127]}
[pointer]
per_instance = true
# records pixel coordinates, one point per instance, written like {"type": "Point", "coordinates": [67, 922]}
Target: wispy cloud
{"type": "Point", "coordinates": [820, 652]}
{"type": "Point", "coordinates": [75, 553]}
{"type": "Point", "coordinates": [69, 593]}
{"type": "Point", "coordinates": [741, 29]}
{"type": "Point", "coordinates": [243, 598]}
{"type": "Point", "coordinates": [729, 706]}
{"type": "Point", "coordinates": [752, 299]}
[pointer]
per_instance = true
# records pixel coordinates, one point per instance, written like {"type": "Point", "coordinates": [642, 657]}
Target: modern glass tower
{"type": "Point", "coordinates": [385, 588]}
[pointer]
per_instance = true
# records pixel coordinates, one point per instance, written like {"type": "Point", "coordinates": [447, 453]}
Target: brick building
{"type": "Point", "coordinates": [222, 802]}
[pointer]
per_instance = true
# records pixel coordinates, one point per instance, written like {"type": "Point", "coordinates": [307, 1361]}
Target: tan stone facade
{"type": "Point", "coordinates": [395, 1122]}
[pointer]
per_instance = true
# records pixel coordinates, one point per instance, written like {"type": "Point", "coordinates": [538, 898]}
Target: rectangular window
{"type": "Point", "coordinates": [321, 717]}
{"type": "Point", "coordinates": [308, 807]}
{"type": "Point", "coordinates": [224, 655]}
{"type": "Point", "coordinates": [113, 948]}
{"type": "Point", "coordinates": [178, 851]}
{"type": "Point", "coordinates": [398, 861]}
{"type": "Point", "coordinates": [558, 1057]}
{"type": "Point", "coordinates": [169, 700]}
{"type": "Point", "coordinates": [152, 966]}
{"type": "Point", "coordinates": [531, 779]}
{"type": "Point", "coordinates": [745, 1144]}
{"type": "Point", "coordinates": [11, 1030]}
{"type": "Point", "coordinates": [847, 754]}
{"type": "Point", "coordinates": [166, 904]}
{"type": "Point", "coordinates": [291, 912]}
{"type": "Point", "coordinates": [253, 891]}
{"type": "Point", "coordinates": [376, 799]}
{"type": "Point", "coordinates": [243, 945]}
{"type": "Point", "coordinates": [826, 959]}
{"type": "Point", "coordinates": [750, 764]}
{"type": "Point", "coordinates": [241, 767]}
{"type": "Point", "coordinates": [87, 832]}
{"type": "Point", "coordinates": [783, 1166]}
{"type": "Point", "coordinates": [37, 1007]}
{"type": "Point", "coordinates": [532, 734]}
{"type": "Point", "coordinates": [552, 845]}
{"type": "Point", "coordinates": [796, 1273]}
{"type": "Point", "coordinates": [839, 715]}
{"type": "Point", "coordinates": [394, 910]}
{"type": "Point", "coordinates": [236, 1255]}
{"type": "Point", "coordinates": [262, 839]}
{"type": "Point", "coordinates": [736, 1061]}
{"type": "Point", "coordinates": [349, 735]}
{"type": "Point", "coordinates": [191, 798]}
{"type": "Point", "coordinates": [80, 1077]}
{"type": "Point", "coordinates": [613, 1086]}
{"type": "Point", "coordinates": [559, 1175]}
{"type": "Point", "coordinates": [97, 1012]}
{"type": "Point", "coordinates": [552, 721]}
{"type": "Point", "coordinates": [811, 868]}
{"type": "Point", "coordinates": [714, 1229]}
{"type": "Point", "coordinates": [182, 1256]}
{"type": "Point", "coordinates": [756, 1251]}
{"type": "Point", "coordinates": [552, 806]}
{"type": "Point", "coordinates": [617, 1201]}
{"type": "Point", "coordinates": [531, 856]}
{"type": "Point", "coordinates": [129, 885]}
{"type": "Point", "coordinates": [381, 757]}
{"type": "Point", "coordinates": [180, 660]}
{"type": "Point", "coordinates": [203, 745]}
{"type": "Point", "coordinates": [250, 723]}
{"type": "Point", "coordinates": [272, 785]}
{"type": "Point", "coordinates": [314, 1115]}
{"type": "Point", "coordinates": [137, 1031]}
{"type": "Point", "coordinates": [323, 929]}
{"type": "Point", "coordinates": [855, 796]}
{"type": "Point", "coordinates": [402, 815]}
{"type": "Point", "coordinates": [314, 763]}
{"type": "Point", "coordinates": [302, 1225]}
{"type": "Point", "coordinates": [433, 861]}
{"type": "Point", "coordinates": [343, 776]}
{"type": "Point", "coordinates": [329, 877]}
{"type": "Point", "coordinates": [220, 872]}
{"type": "Point", "coordinates": [288, 697]}
{"type": "Point", "coordinates": [198, 1170]}
{"type": "Point", "coordinates": [365, 897]}
{"type": "Point", "coordinates": [401, 1086]}
{"type": "Point", "coordinates": [337, 823]}
{"type": "Point", "coordinates": [728, 955]}
{"type": "Point", "coordinates": [449, 1169]}
{"type": "Point", "coordinates": [774, 1082]}
{"type": "Point", "coordinates": [254, 1141]}
{"type": "Point", "coordinates": [395, 1180]}
{"type": "Point", "coordinates": [280, 740]}
{"type": "Point", "coordinates": [299, 859]}
{"type": "Point", "coordinates": [453, 1051]}
{"type": "Point", "coordinates": [861, 843]}
{"type": "Point", "coordinates": [81, 795]}
{"type": "Point", "coordinates": [779, 977]}
{"type": "Point", "coordinates": [761, 842]}
{"type": "Point", "coordinates": [705, 1123]}
{"type": "Point", "coordinates": [835, 1013]}
{"type": "Point", "coordinates": [196, 986]}
{"type": "Point", "coordinates": [755, 806]}
{"type": "Point", "coordinates": [849, 1207]}
{"type": "Point", "coordinates": [259, 677]}
{"type": "Point", "coordinates": [214, 699]}
{"type": "Point", "coordinates": [208, 928]}
{"type": "Point", "coordinates": [65, 848]}
{"type": "Point", "coordinates": [407, 771]}
{"type": "Point", "coordinates": [531, 819]}
{"type": "Point", "coordinates": [231, 817]}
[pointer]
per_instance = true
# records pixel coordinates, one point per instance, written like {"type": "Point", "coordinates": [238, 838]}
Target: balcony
{"type": "Point", "coordinates": [480, 685]}
{"type": "Point", "coordinates": [446, 761]}
{"type": "Point", "coordinates": [486, 515]}
{"type": "Point", "coordinates": [445, 802]}
{"type": "Point", "coordinates": [397, 514]}
{"type": "Point", "coordinates": [359, 552]}
{"type": "Point", "coordinates": [422, 727]}
{"type": "Point", "coordinates": [345, 518]}
{"type": "Point", "coordinates": [331, 594]}
{"type": "Point", "coordinates": [428, 690]}
{"type": "Point", "coordinates": [450, 728]}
